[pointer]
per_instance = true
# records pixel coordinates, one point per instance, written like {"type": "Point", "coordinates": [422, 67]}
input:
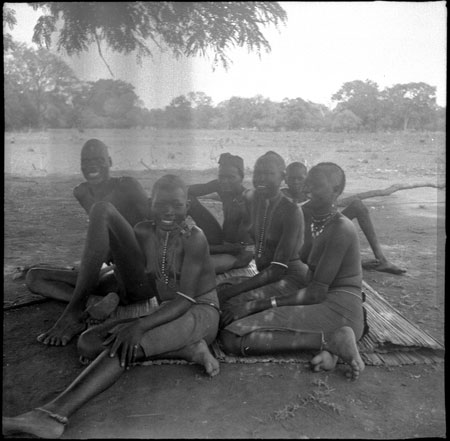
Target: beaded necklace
{"type": "Point", "coordinates": [164, 275]}
{"type": "Point", "coordinates": [319, 223]}
{"type": "Point", "coordinates": [262, 231]}
{"type": "Point", "coordinates": [267, 220]}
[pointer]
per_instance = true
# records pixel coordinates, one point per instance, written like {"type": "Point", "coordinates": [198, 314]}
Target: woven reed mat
{"type": "Point", "coordinates": [392, 339]}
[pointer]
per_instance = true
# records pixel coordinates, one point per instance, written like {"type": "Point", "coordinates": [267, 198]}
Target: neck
{"type": "Point", "coordinates": [273, 197]}
{"type": "Point", "coordinates": [323, 211]}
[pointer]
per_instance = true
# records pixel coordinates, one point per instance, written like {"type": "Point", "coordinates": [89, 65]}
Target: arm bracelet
{"type": "Point", "coordinates": [279, 263]}
{"type": "Point", "coordinates": [186, 297]}
{"type": "Point", "coordinates": [273, 302]}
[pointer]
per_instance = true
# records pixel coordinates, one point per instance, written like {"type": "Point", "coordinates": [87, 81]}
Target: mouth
{"type": "Point", "coordinates": [261, 187]}
{"type": "Point", "coordinates": [93, 175]}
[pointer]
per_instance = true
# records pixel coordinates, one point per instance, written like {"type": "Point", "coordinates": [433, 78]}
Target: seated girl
{"type": "Point", "coordinates": [227, 244]}
{"type": "Point", "coordinates": [177, 257]}
{"type": "Point", "coordinates": [326, 315]}
{"type": "Point", "coordinates": [277, 228]}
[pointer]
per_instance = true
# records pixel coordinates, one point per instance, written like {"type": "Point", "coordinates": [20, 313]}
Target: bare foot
{"type": "Point", "coordinates": [383, 266]}
{"type": "Point", "coordinates": [324, 361]}
{"type": "Point", "coordinates": [343, 344]}
{"type": "Point", "coordinates": [68, 326]}
{"type": "Point", "coordinates": [101, 310]}
{"type": "Point", "coordinates": [36, 422]}
{"type": "Point", "coordinates": [199, 353]}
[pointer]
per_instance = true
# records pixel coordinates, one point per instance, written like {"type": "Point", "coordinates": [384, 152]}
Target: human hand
{"type": "Point", "coordinates": [235, 312]}
{"type": "Point", "coordinates": [125, 339]}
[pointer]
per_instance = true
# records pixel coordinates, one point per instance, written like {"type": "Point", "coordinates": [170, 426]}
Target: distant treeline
{"type": "Point", "coordinates": [41, 91]}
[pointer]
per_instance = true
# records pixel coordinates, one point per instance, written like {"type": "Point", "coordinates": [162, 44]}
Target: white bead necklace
{"type": "Point", "coordinates": [262, 231]}
{"type": "Point", "coordinates": [318, 225]}
{"type": "Point", "coordinates": [164, 260]}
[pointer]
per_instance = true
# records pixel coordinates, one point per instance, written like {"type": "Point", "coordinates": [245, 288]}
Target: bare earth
{"type": "Point", "coordinates": [43, 223]}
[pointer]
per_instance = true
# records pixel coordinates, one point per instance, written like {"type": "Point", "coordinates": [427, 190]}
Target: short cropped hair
{"type": "Point", "coordinates": [234, 161]}
{"type": "Point", "coordinates": [94, 143]}
{"type": "Point", "coordinates": [169, 182]}
{"type": "Point", "coordinates": [332, 170]}
{"type": "Point", "coordinates": [296, 164]}
{"type": "Point", "coordinates": [279, 161]}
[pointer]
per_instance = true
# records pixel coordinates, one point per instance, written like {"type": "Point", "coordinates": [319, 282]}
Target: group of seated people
{"type": "Point", "coordinates": [305, 296]}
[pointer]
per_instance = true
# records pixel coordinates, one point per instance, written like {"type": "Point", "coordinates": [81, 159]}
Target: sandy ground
{"type": "Point", "coordinates": [43, 223]}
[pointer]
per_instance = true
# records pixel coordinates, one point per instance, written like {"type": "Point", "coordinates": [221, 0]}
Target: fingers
{"type": "Point", "coordinates": [109, 339]}
{"type": "Point", "coordinates": [115, 346]}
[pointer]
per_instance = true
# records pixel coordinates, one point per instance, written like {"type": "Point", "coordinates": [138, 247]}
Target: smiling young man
{"type": "Point", "coordinates": [131, 202]}
{"type": "Point", "coordinates": [227, 244]}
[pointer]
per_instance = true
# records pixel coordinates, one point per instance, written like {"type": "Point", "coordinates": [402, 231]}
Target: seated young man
{"type": "Point", "coordinates": [174, 255]}
{"type": "Point", "coordinates": [131, 201]}
{"type": "Point", "coordinates": [295, 177]}
{"type": "Point", "coordinates": [227, 244]}
{"type": "Point", "coordinates": [327, 314]}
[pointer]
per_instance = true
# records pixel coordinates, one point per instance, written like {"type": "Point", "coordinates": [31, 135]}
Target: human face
{"type": "Point", "coordinates": [95, 165]}
{"type": "Point", "coordinates": [295, 180]}
{"type": "Point", "coordinates": [229, 179]}
{"type": "Point", "coordinates": [321, 190]}
{"type": "Point", "coordinates": [169, 208]}
{"type": "Point", "coordinates": [267, 177]}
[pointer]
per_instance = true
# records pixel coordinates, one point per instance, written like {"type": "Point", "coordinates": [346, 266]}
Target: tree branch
{"type": "Point", "coordinates": [101, 54]}
{"type": "Point", "coordinates": [384, 192]}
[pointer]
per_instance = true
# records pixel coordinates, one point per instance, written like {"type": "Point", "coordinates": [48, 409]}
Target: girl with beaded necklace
{"type": "Point", "coordinates": [177, 256]}
{"type": "Point", "coordinates": [278, 229]}
{"type": "Point", "coordinates": [326, 316]}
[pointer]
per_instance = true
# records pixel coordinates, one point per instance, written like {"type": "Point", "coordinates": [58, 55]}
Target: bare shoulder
{"type": "Point", "coordinates": [345, 225]}
{"type": "Point", "coordinates": [80, 190]}
{"type": "Point", "coordinates": [128, 183]}
{"type": "Point", "coordinates": [194, 239]}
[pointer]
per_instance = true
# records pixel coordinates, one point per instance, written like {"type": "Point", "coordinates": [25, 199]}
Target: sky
{"type": "Point", "coordinates": [322, 46]}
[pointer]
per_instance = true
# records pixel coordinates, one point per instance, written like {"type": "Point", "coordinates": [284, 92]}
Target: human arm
{"type": "Point", "coordinates": [83, 196]}
{"type": "Point", "coordinates": [287, 248]}
{"type": "Point", "coordinates": [126, 336]}
{"type": "Point", "coordinates": [197, 190]}
{"type": "Point", "coordinates": [135, 198]}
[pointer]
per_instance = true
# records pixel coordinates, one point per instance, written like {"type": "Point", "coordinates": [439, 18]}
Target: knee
{"type": "Point", "coordinates": [230, 342]}
{"type": "Point", "coordinates": [101, 209]}
{"type": "Point", "coordinates": [358, 206]}
{"type": "Point", "coordinates": [90, 344]}
{"type": "Point", "coordinates": [32, 278]}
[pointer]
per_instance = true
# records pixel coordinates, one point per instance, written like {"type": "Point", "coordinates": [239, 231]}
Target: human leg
{"type": "Point", "coordinates": [292, 328]}
{"type": "Point", "coordinates": [105, 223]}
{"type": "Point", "coordinates": [48, 421]}
{"type": "Point", "coordinates": [357, 209]}
{"type": "Point", "coordinates": [340, 343]}
{"type": "Point", "coordinates": [186, 337]}
{"type": "Point", "coordinates": [56, 284]}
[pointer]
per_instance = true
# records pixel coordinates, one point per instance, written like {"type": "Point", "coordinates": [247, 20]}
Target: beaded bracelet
{"type": "Point", "coordinates": [273, 302]}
